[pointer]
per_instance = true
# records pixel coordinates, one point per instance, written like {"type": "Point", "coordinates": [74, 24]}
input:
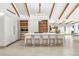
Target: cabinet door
{"type": "Point", "coordinates": [43, 26]}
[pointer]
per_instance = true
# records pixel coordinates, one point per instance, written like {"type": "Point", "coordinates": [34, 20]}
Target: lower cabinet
{"type": "Point", "coordinates": [22, 35]}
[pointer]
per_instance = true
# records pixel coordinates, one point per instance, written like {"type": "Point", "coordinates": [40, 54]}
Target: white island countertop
{"type": "Point", "coordinates": [44, 34]}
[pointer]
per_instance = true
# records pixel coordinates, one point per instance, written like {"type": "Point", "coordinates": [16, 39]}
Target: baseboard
{"type": "Point", "coordinates": [9, 44]}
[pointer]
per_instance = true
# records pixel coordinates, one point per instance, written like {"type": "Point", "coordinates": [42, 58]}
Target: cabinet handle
{"type": "Point", "coordinates": [14, 30]}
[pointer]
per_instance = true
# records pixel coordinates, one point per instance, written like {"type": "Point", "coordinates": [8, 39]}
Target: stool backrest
{"type": "Point", "coordinates": [28, 36]}
{"type": "Point", "coordinates": [52, 36]}
{"type": "Point", "coordinates": [45, 36]}
{"type": "Point", "coordinates": [36, 36]}
{"type": "Point", "coordinates": [60, 36]}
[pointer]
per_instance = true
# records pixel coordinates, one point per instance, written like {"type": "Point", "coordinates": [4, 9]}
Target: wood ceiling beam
{"type": "Point", "coordinates": [69, 22]}
{"type": "Point", "coordinates": [15, 9]}
{"type": "Point", "coordinates": [66, 22]}
{"type": "Point", "coordinates": [39, 7]}
{"type": "Point", "coordinates": [72, 11]}
{"type": "Point", "coordinates": [52, 10]}
{"type": "Point", "coordinates": [75, 22]}
{"type": "Point", "coordinates": [27, 9]}
{"type": "Point", "coordinates": [63, 10]}
{"type": "Point", "coordinates": [10, 11]}
{"type": "Point", "coordinates": [67, 4]}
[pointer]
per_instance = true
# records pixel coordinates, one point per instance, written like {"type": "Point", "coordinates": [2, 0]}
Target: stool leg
{"type": "Point", "coordinates": [56, 41]}
{"type": "Point", "coordinates": [61, 42]}
{"type": "Point", "coordinates": [49, 42]}
{"type": "Point", "coordinates": [43, 42]}
{"type": "Point", "coordinates": [33, 42]}
{"type": "Point", "coordinates": [37, 40]}
{"type": "Point", "coordinates": [30, 42]}
{"type": "Point", "coordinates": [53, 43]}
{"type": "Point", "coordinates": [25, 42]}
{"type": "Point", "coordinates": [46, 42]}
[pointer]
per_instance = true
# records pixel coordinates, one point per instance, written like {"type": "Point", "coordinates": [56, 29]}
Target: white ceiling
{"type": "Point", "coordinates": [21, 8]}
{"type": "Point", "coordinates": [33, 8]}
{"type": "Point", "coordinates": [68, 10]}
{"type": "Point", "coordinates": [45, 10]}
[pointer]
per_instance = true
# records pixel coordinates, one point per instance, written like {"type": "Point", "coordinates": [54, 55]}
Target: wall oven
{"type": "Point", "coordinates": [24, 30]}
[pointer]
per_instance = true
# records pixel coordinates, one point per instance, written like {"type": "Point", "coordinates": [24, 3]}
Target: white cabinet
{"type": "Point", "coordinates": [9, 27]}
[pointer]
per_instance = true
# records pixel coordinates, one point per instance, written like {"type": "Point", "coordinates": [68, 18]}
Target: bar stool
{"type": "Point", "coordinates": [41, 44]}
{"type": "Point", "coordinates": [60, 39]}
{"type": "Point", "coordinates": [28, 40]}
{"type": "Point", "coordinates": [52, 39]}
{"type": "Point", "coordinates": [45, 40]}
{"type": "Point", "coordinates": [36, 40]}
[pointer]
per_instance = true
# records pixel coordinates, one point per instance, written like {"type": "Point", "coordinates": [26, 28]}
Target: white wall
{"type": "Point", "coordinates": [61, 28]}
{"type": "Point", "coordinates": [33, 25]}
{"type": "Point", "coordinates": [5, 6]}
{"type": "Point", "coordinates": [68, 28]}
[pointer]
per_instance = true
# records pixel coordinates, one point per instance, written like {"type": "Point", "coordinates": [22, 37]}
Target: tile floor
{"type": "Point", "coordinates": [70, 48]}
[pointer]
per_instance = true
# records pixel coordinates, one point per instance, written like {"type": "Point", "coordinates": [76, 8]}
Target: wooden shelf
{"type": "Point", "coordinates": [23, 26]}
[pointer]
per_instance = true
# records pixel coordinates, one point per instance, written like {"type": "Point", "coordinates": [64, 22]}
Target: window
{"type": "Point", "coordinates": [78, 26]}
{"type": "Point", "coordinates": [64, 28]}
